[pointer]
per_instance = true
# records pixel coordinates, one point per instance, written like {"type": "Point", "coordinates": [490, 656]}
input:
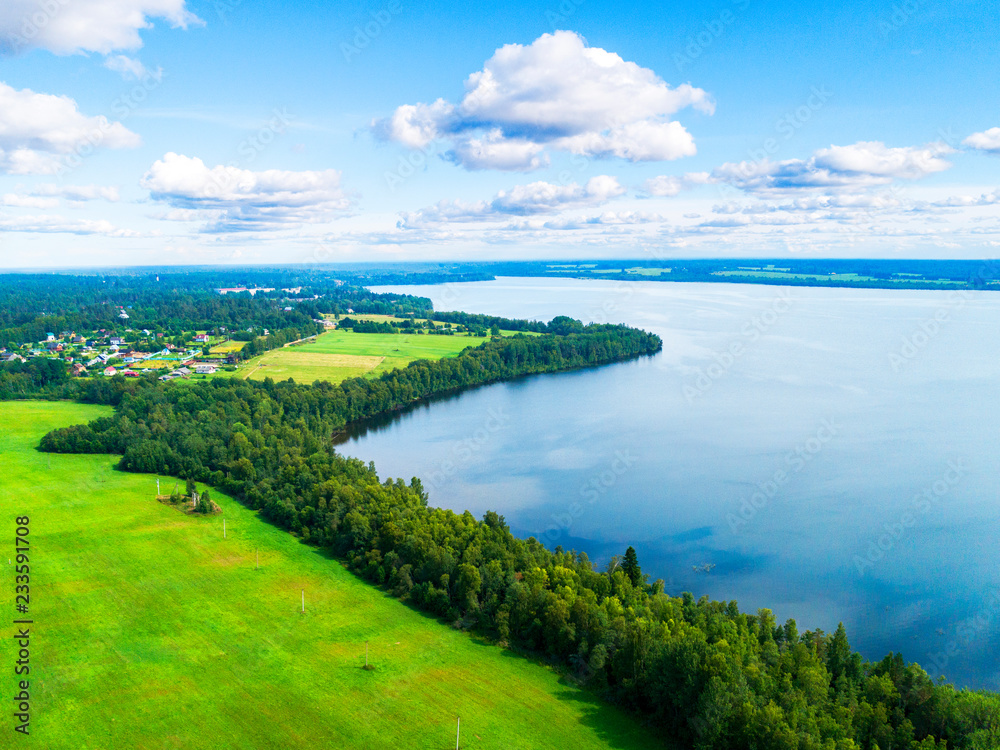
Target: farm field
{"type": "Point", "coordinates": [151, 364]}
{"type": "Point", "coordinates": [227, 347]}
{"type": "Point", "coordinates": [339, 354]}
{"type": "Point", "coordinates": [155, 632]}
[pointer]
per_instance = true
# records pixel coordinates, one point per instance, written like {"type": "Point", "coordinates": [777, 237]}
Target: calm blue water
{"type": "Point", "coordinates": [830, 454]}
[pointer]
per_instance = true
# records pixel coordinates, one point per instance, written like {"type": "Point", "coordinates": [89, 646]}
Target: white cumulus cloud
{"type": "Point", "coordinates": [988, 140]}
{"type": "Point", "coordinates": [71, 26]}
{"type": "Point", "coordinates": [245, 200]}
{"type": "Point", "coordinates": [556, 93]}
{"type": "Point", "coordinates": [875, 158]}
{"type": "Point", "coordinates": [860, 165]}
{"type": "Point", "coordinates": [35, 128]}
{"type": "Point", "coordinates": [542, 197]}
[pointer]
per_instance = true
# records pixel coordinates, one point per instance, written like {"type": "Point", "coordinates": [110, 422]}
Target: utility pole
{"type": "Point", "coordinates": [458, 732]}
{"type": "Point", "coordinates": [303, 601]}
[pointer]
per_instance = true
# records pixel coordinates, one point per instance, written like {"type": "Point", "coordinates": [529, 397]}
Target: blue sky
{"type": "Point", "coordinates": [246, 131]}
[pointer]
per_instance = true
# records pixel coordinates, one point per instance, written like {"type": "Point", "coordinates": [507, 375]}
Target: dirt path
{"type": "Point", "coordinates": [299, 341]}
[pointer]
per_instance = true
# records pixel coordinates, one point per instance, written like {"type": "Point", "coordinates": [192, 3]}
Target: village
{"type": "Point", "coordinates": [132, 352]}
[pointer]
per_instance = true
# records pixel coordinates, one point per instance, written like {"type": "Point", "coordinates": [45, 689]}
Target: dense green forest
{"type": "Point", "coordinates": [33, 305]}
{"type": "Point", "coordinates": [707, 673]}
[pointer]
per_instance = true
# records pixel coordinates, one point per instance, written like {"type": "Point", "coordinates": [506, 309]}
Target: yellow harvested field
{"type": "Point", "coordinates": [228, 346]}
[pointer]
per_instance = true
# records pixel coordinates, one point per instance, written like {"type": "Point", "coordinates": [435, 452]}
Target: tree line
{"type": "Point", "coordinates": [32, 305]}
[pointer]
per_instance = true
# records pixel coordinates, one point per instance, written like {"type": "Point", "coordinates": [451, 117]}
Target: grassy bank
{"type": "Point", "coordinates": [152, 631]}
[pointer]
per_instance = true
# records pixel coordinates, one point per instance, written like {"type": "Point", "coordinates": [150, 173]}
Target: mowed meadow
{"type": "Point", "coordinates": [151, 630]}
{"type": "Point", "coordinates": [340, 354]}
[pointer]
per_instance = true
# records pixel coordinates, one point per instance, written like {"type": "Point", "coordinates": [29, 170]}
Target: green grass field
{"type": "Point", "coordinates": [339, 354]}
{"type": "Point", "coordinates": [152, 631]}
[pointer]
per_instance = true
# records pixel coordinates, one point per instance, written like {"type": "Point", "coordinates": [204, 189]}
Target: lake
{"type": "Point", "coordinates": [830, 454]}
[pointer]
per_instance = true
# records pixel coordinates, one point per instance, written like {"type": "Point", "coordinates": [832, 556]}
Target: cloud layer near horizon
{"type": "Point", "coordinates": [238, 199]}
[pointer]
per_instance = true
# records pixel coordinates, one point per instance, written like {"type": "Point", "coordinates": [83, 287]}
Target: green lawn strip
{"type": "Point", "coordinates": [152, 631]}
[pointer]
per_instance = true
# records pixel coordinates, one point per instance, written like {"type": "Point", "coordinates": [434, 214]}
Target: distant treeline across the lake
{"type": "Point", "coordinates": [862, 273]}
{"type": "Point", "coordinates": [710, 675]}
